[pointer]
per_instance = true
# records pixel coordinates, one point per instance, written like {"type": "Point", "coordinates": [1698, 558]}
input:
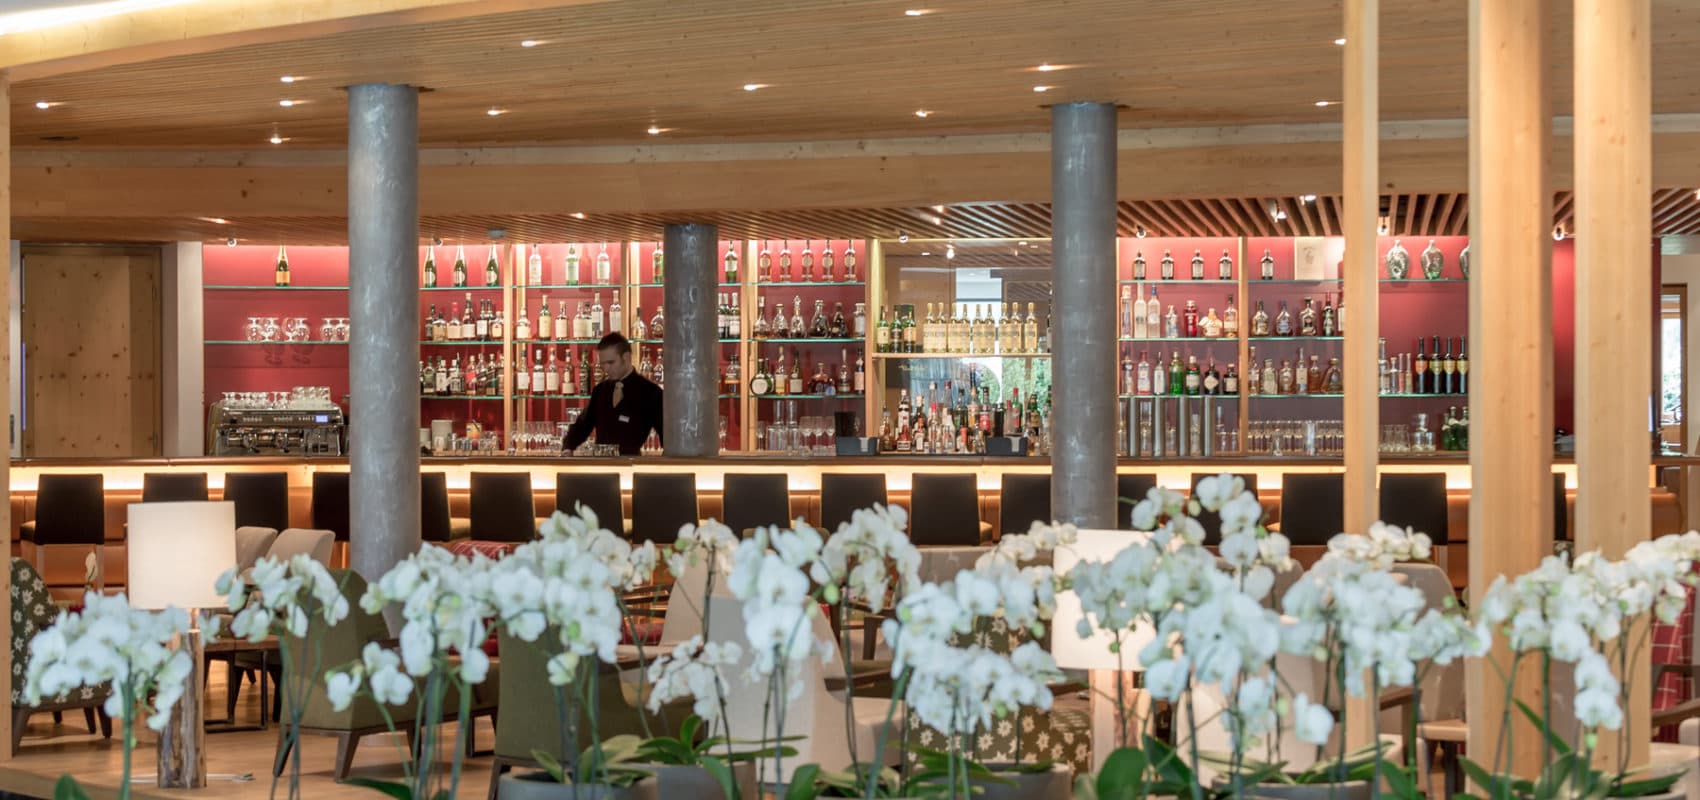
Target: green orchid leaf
{"type": "Point", "coordinates": [1085, 788]}
{"type": "Point", "coordinates": [803, 785]}
{"type": "Point", "coordinates": [1639, 788]}
{"type": "Point", "coordinates": [67, 788]}
{"type": "Point", "coordinates": [400, 791]}
{"type": "Point", "coordinates": [550, 764]}
{"type": "Point", "coordinates": [1123, 775]}
{"type": "Point", "coordinates": [722, 775]}
{"type": "Point", "coordinates": [1553, 739]}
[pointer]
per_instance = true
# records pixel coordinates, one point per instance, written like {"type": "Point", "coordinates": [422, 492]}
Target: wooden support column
{"type": "Point", "coordinates": [1361, 109]}
{"type": "Point", "coordinates": [5, 393]}
{"type": "Point", "coordinates": [1361, 106]}
{"type": "Point", "coordinates": [1613, 281]}
{"type": "Point", "coordinates": [1511, 341]}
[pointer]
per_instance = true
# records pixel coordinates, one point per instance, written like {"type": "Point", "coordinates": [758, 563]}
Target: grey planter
{"type": "Point", "coordinates": [1350, 790]}
{"type": "Point", "coordinates": [539, 786]}
{"type": "Point", "coordinates": [692, 783]}
{"type": "Point", "coordinates": [1053, 784]}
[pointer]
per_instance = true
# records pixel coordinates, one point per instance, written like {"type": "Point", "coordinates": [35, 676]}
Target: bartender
{"type": "Point", "coordinates": [623, 408]}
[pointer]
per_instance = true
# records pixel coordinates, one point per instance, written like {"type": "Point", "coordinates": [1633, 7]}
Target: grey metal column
{"type": "Point", "coordinates": [383, 361]}
{"type": "Point", "coordinates": [691, 425]}
{"type": "Point", "coordinates": [1083, 341]}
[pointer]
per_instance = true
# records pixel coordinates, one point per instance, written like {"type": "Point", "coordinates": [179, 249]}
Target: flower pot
{"type": "Point", "coordinates": [1350, 790]}
{"type": "Point", "coordinates": [693, 782]}
{"type": "Point", "coordinates": [539, 786]}
{"type": "Point", "coordinates": [1055, 783]}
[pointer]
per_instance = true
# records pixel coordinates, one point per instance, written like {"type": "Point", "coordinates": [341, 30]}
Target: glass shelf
{"type": "Point", "coordinates": [807, 340]}
{"type": "Point", "coordinates": [728, 396]}
{"type": "Point", "coordinates": [1422, 281]}
{"type": "Point", "coordinates": [1299, 281]}
{"type": "Point", "coordinates": [234, 288]}
{"type": "Point", "coordinates": [553, 341]}
{"type": "Point", "coordinates": [551, 397]}
{"type": "Point", "coordinates": [461, 343]}
{"type": "Point", "coordinates": [781, 284]}
{"type": "Point", "coordinates": [1320, 395]}
{"type": "Point", "coordinates": [460, 397]}
{"type": "Point", "coordinates": [1166, 396]}
{"type": "Point", "coordinates": [1180, 281]}
{"type": "Point", "coordinates": [245, 341]}
{"type": "Point", "coordinates": [1226, 339]}
{"type": "Point", "coordinates": [1256, 339]}
{"type": "Point", "coordinates": [1455, 395]}
{"type": "Point", "coordinates": [844, 396]}
{"type": "Point", "coordinates": [560, 286]}
{"type": "Point", "coordinates": [960, 355]}
{"type": "Point", "coordinates": [478, 288]}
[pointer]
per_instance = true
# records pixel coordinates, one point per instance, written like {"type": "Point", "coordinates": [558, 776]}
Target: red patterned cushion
{"type": "Point", "coordinates": [1674, 644]}
{"type": "Point", "coordinates": [467, 547]}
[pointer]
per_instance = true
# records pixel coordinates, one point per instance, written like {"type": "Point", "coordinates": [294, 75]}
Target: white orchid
{"type": "Point", "coordinates": [108, 642]}
{"type": "Point", "coordinates": [697, 670]}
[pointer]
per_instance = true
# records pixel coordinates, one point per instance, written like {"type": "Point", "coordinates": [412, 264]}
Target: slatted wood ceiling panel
{"type": "Point", "coordinates": [1675, 212]}
{"type": "Point", "coordinates": [838, 70]}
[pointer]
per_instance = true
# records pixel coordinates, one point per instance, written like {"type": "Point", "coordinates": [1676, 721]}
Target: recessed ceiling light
{"type": "Point", "coordinates": [939, 209]}
{"type": "Point", "coordinates": [1326, 103]}
{"type": "Point", "coordinates": [276, 139]}
{"type": "Point", "coordinates": [1045, 68]}
{"type": "Point", "coordinates": [43, 105]}
{"type": "Point", "coordinates": [578, 215]}
{"type": "Point", "coordinates": [1021, 244]}
{"type": "Point", "coordinates": [938, 220]}
{"type": "Point", "coordinates": [750, 87]}
{"type": "Point", "coordinates": [291, 78]}
{"type": "Point", "coordinates": [530, 43]}
{"type": "Point", "coordinates": [219, 220]}
{"type": "Point", "coordinates": [286, 103]}
{"type": "Point", "coordinates": [1307, 198]}
{"type": "Point", "coordinates": [653, 130]}
{"type": "Point", "coordinates": [1340, 42]}
{"type": "Point", "coordinates": [926, 252]}
{"type": "Point", "coordinates": [1042, 88]}
{"type": "Point", "coordinates": [496, 112]}
{"type": "Point", "coordinates": [1697, 194]}
{"type": "Point", "coordinates": [917, 12]}
{"type": "Point", "coordinates": [923, 113]}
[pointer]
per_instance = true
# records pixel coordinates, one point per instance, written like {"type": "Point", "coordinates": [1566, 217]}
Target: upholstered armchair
{"type": "Point", "coordinates": [33, 610]}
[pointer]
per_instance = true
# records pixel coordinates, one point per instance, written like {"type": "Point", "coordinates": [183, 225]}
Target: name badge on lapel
{"type": "Point", "coordinates": [624, 418]}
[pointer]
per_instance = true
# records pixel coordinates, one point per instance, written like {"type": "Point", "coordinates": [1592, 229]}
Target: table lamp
{"type": "Point", "coordinates": [177, 551]}
{"type": "Point", "coordinates": [1107, 670]}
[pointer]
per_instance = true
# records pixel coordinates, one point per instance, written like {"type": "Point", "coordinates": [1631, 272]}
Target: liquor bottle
{"type": "Point", "coordinates": [1009, 330]}
{"type": "Point", "coordinates": [457, 378]}
{"type": "Point", "coordinates": [859, 384]}
{"type": "Point", "coordinates": [1231, 381]}
{"type": "Point", "coordinates": [850, 263]}
{"type": "Point", "coordinates": [1127, 308]}
{"type": "Point", "coordinates": [539, 384]}
{"type": "Point", "coordinates": [798, 329]}
{"type": "Point", "coordinates": [657, 323]}
{"type": "Point", "coordinates": [1160, 376]}
{"type": "Point", "coordinates": [534, 266]}
{"type": "Point", "coordinates": [1194, 380]}
{"type": "Point", "coordinates": [859, 321]}
{"type": "Point", "coordinates": [1197, 265]}
{"type": "Point", "coordinates": [552, 375]}
{"type": "Point", "coordinates": [646, 366]}
{"type": "Point", "coordinates": [1266, 266]}
{"type": "Point", "coordinates": [1212, 380]}
{"type": "Point", "coordinates": [522, 325]}
{"type": "Point", "coordinates": [1140, 327]}
{"type": "Point", "coordinates": [1167, 271]}
{"type": "Point", "coordinates": [1307, 319]}
{"type": "Point", "coordinates": [1463, 368]}
{"type": "Point", "coordinates": [1421, 383]}
{"type": "Point", "coordinates": [617, 317]}
{"type": "Point", "coordinates": [430, 267]}
{"type": "Point", "coordinates": [1260, 321]}
{"type": "Point", "coordinates": [882, 334]}
{"type": "Point", "coordinates": [1284, 378]}
{"type": "Point", "coordinates": [785, 262]}
{"type": "Point", "coordinates": [545, 321]}
{"type": "Point", "coordinates": [1142, 379]}
{"type": "Point", "coordinates": [452, 323]}
{"type": "Point", "coordinates": [722, 317]}
{"type": "Point", "coordinates": [1328, 326]}
{"type": "Point", "coordinates": [468, 328]}
{"type": "Point", "coordinates": [796, 384]}
{"type": "Point", "coordinates": [817, 324]}
{"type": "Point", "coordinates": [281, 278]}
{"type": "Point", "coordinates": [481, 328]}
{"type": "Point", "coordinates": [1177, 375]}
{"type": "Point", "coordinates": [1254, 373]}
{"type": "Point", "coordinates": [442, 377]}
{"type": "Point", "coordinates": [604, 270]}
{"type": "Point", "coordinates": [498, 323]}
{"type": "Point", "coordinates": [930, 331]}
{"type": "Point", "coordinates": [492, 269]}
{"type": "Point", "coordinates": [983, 330]}
{"type": "Point", "coordinates": [572, 265]}
{"type": "Point", "coordinates": [764, 265]}
{"type": "Point", "coordinates": [657, 265]}
{"type": "Point", "coordinates": [1332, 381]}
{"type": "Point", "coordinates": [1340, 317]}
{"type": "Point", "coordinates": [1030, 332]}
{"type": "Point", "coordinates": [1189, 320]}
{"type": "Point", "coordinates": [460, 266]}
{"type": "Point", "coordinates": [1436, 368]}
{"type": "Point", "coordinates": [761, 383]}
{"type": "Point", "coordinates": [1130, 384]}
{"type": "Point", "coordinates": [1225, 267]}
{"type": "Point", "coordinates": [598, 322]}
{"type": "Point", "coordinates": [826, 260]}
{"type": "Point", "coordinates": [1284, 321]}
{"type": "Point", "coordinates": [1301, 377]}
{"type": "Point", "coordinates": [1314, 376]}
{"type": "Point", "coordinates": [1271, 377]}
{"type": "Point", "coordinates": [1449, 365]}
{"type": "Point", "coordinates": [1230, 319]}
{"type": "Point", "coordinates": [911, 336]}
{"type": "Point", "coordinates": [807, 262]}
{"type": "Point", "coordinates": [837, 328]}
{"type": "Point", "coordinates": [573, 326]}
{"type": "Point", "coordinates": [585, 372]}
{"type": "Point", "coordinates": [1139, 266]}
{"type": "Point", "coordinates": [1154, 316]}
{"type": "Point", "coordinates": [733, 376]}
{"type": "Point", "coordinates": [431, 324]}
{"type": "Point", "coordinates": [1171, 324]}
{"type": "Point", "coordinates": [1211, 326]}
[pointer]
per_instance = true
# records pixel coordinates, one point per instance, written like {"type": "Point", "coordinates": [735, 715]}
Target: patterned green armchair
{"type": "Point", "coordinates": [33, 610]}
{"type": "Point", "coordinates": [1062, 735]}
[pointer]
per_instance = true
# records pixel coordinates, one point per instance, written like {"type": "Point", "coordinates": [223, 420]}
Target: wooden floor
{"type": "Point", "coordinates": [49, 751]}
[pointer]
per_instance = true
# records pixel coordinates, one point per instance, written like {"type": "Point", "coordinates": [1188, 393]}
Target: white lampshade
{"type": "Point", "coordinates": [1093, 652]}
{"type": "Point", "coordinates": [177, 551]}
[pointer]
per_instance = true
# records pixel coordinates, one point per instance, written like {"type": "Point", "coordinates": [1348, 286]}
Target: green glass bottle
{"type": "Point", "coordinates": [1177, 376]}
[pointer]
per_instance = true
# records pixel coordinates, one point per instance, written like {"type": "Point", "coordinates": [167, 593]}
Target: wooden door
{"type": "Point", "coordinates": [91, 322]}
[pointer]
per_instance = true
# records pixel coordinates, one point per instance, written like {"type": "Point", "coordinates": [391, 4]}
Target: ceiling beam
{"type": "Point", "coordinates": [206, 25]}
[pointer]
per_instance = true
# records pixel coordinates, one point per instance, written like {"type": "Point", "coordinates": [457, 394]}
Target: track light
{"type": "Point", "coordinates": [950, 251]}
{"type": "Point", "coordinates": [902, 237]}
{"type": "Point", "coordinates": [1139, 231]}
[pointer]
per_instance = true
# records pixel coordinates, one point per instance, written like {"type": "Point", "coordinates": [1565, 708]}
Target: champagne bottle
{"type": "Point", "coordinates": [430, 267]}
{"type": "Point", "coordinates": [492, 269]}
{"type": "Point", "coordinates": [282, 277]}
{"type": "Point", "coordinates": [460, 267]}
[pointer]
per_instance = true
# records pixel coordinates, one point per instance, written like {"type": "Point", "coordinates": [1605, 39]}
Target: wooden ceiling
{"type": "Point", "coordinates": [606, 71]}
{"type": "Point", "coordinates": [1676, 212]}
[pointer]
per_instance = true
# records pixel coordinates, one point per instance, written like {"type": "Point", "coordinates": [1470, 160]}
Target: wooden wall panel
{"type": "Point", "coordinates": [91, 352]}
